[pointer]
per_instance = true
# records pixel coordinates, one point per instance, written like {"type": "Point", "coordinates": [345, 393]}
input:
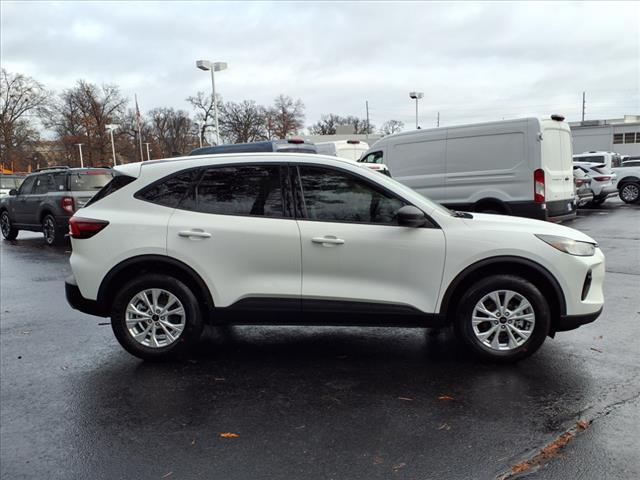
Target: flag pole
{"type": "Point", "coordinates": [139, 129]}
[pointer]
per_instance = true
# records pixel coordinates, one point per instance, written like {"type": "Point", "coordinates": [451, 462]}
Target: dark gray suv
{"type": "Point", "coordinates": [48, 198]}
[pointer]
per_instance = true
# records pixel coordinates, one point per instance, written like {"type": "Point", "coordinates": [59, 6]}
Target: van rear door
{"type": "Point", "coordinates": [556, 161]}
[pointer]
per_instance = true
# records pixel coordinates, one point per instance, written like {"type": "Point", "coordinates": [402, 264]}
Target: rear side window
{"type": "Point", "coordinates": [114, 185]}
{"type": "Point", "coordinates": [252, 190]}
{"type": "Point", "coordinates": [89, 180]}
{"type": "Point", "coordinates": [170, 191]}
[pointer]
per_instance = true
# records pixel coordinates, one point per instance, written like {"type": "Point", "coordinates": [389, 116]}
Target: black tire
{"type": "Point", "coordinates": [9, 232]}
{"type": "Point", "coordinates": [51, 231]}
{"type": "Point", "coordinates": [193, 324]}
{"type": "Point", "coordinates": [463, 320]}
{"type": "Point", "coordinates": [597, 202]}
{"type": "Point", "coordinates": [630, 192]}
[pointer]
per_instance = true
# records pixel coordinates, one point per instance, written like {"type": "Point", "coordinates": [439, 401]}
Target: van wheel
{"type": "Point", "coordinates": [630, 193]}
{"type": "Point", "coordinates": [155, 317]}
{"type": "Point", "coordinates": [503, 318]}
{"type": "Point", "coordinates": [9, 232]}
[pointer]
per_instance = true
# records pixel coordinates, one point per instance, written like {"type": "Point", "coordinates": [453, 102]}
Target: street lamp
{"type": "Point", "coordinates": [213, 67]}
{"type": "Point", "coordinates": [148, 154]}
{"type": "Point", "coordinates": [80, 148]}
{"type": "Point", "coordinates": [111, 127]}
{"type": "Point", "coordinates": [416, 96]}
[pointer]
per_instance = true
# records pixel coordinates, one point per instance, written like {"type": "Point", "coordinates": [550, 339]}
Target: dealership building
{"type": "Point", "coordinates": [620, 135]}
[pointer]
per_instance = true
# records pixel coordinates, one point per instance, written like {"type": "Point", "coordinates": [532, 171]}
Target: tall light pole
{"type": "Point", "coordinates": [213, 67]}
{"type": "Point", "coordinates": [80, 148]}
{"type": "Point", "coordinates": [148, 154]}
{"type": "Point", "coordinates": [111, 127]}
{"type": "Point", "coordinates": [416, 96]}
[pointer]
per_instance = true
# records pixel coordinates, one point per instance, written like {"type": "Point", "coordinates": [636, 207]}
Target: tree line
{"type": "Point", "coordinates": [80, 115]}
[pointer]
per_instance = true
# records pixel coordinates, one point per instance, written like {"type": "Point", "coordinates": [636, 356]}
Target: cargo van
{"type": "Point", "coordinates": [517, 167]}
{"type": "Point", "coordinates": [349, 149]}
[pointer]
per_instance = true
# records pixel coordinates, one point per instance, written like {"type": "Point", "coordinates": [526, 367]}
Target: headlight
{"type": "Point", "coordinates": [570, 246]}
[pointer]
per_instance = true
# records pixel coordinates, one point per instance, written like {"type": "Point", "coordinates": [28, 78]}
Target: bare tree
{"type": "Point", "coordinates": [172, 131]}
{"type": "Point", "coordinates": [20, 98]}
{"type": "Point", "coordinates": [285, 117]}
{"type": "Point", "coordinates": [242, 122]}
{"type": "Point", "coordinates": [81, 114]}
{"type": "Point", "coordinates": [203, 105]}
{"type": "Point", "coordinates": [391, 126]}
{"type": "Point", "coordinates": [328, 125]}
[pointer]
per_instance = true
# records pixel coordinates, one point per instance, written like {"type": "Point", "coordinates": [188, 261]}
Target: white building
{"type": "Point", "coordinates": [620, 135]}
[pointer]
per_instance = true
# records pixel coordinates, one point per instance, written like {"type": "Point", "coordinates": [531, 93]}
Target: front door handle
{"type": "Point", "coordinates": [328, 240]}
{"type": "Point", "coordinates": [195, 233]}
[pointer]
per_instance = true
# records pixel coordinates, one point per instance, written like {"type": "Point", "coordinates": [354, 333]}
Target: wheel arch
{"type": "Point", "coordinates": [513, 265]}
{"type": "Point", "coordinates": [630, 179]}
{"type": "Point", "coordinates": [496, 203]}
{"type": "Point", "coordinates": [154, 264]}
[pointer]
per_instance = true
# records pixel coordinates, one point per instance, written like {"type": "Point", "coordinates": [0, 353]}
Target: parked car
{"type": "Point", "coordinates": [610, 159]}
{"type": "Point", "coordinates": [291, 145]}
{"type": "Point", "coordinates": [9, 182]}
{"type": "Point", "coordinates": [602, 179]}
{"type": "Point", "coordinates": [47, 199]}
{"type": "Point", "coordinates": [584, 194]}
{"type": "Point", "coordinates": [627, 181]}
{"type": "Point", "coordinates": [519, 167]}
{"type": "Point", "coordinates": [297, 239]}
{"type": "Point", "coordinates": [351, 150]}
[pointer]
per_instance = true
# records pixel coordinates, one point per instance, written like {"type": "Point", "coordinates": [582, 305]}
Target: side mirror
{"type": "Point", "coordinates": [13, 192]}
{"type": "Point", "coordinates": [410, 216]}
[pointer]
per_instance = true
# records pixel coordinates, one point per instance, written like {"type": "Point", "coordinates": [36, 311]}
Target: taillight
{"type": "Point", "coordinates": [538, 186]}
{"type": "Point", "coordinates": [295, 140]}
{"type": "Point", "coordinates": [353, 142]}
{"type": "Point", "coordinates": [604, 178]}
{"type": "Point", "coordinates": [85, 227]}
{"type": "Point", "coordinates": [67, 204]}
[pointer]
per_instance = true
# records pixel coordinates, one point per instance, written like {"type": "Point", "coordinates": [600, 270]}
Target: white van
{"type": "Point", "coordinates": [349, 149]}
{"type": "Point", "coordinates": [519, 167]}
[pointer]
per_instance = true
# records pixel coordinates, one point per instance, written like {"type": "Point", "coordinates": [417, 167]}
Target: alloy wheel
{"type": "Point", "coordinates": [503, 320]}
{"type": "Point", "coordinates": [630, 193]}
{"type": "Point", "coordinates": [155, 318]}
{"type": "Point", "coordinates": [5, 224]}
{"type": "Point", "coordinates": [49, 230]}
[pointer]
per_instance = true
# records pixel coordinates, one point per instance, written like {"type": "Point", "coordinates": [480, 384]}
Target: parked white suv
{"type": "Point", "coordinates": [306, 239]}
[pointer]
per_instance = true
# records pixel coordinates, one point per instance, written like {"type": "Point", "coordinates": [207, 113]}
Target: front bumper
{"type": "Point", "coordinates": [571, 322]}
{"type": "Point", "coordinates": [78, 302]}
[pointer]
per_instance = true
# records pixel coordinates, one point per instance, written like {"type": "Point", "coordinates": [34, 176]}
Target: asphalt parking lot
{"type": "Point", "coordinates": [316, 403]}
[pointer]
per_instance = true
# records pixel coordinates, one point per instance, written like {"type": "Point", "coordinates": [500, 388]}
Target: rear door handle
{"type": "Point", "coordinates": [328, 240]}
{"type": "Point", "coordinates": [195, 233]}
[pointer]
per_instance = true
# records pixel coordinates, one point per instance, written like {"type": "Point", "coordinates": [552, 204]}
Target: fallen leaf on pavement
{"type": "Point", "coordinates": [167, 475]}
{"type": "Point", "coordinates": [229, 435]}
{"type": "Point", "coordinates": [444, 426]}
{"type": "Point", "coordinates": [406, 399]}
{"type": "Point", "coordinates": [445, 398]}
{"type": "Point", "coordinates": [583, 424]}
{"type": "Point", "coordinates": [378, 460]}
{"type": "Point", "coordinates": [193, 442]}
{"type": "Point", "coordinates": [596, 350]}
{"type": "Point", "coordinates": [399, 466]}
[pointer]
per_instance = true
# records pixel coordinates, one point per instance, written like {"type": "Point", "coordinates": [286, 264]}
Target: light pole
{"type": "Point", "coordinates": [200, 125]}
{"type": "Point", "coordinates": [148, 154]}
{"type": "Point", "coordinates": [111, 127]}
{"type": "Point", "coordinates": [80, 148]}
{"type": "Point", "coordinates": [213, 67]}
{"type": "Point", "coordinates": [416, 96]}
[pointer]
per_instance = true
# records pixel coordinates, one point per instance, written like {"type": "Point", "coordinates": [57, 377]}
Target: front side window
{"type": "Point", "coordinates": [27, 185]}
{"type": "Point", "coordinates": [374, 157]}
{"type": "Point", "coordinates": [335, 196]}
{"type": "Point", "coordinates": [252, 190]}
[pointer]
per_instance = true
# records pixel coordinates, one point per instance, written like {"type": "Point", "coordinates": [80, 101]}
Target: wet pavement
{"type": "Point", "coordinates": [313, 403]}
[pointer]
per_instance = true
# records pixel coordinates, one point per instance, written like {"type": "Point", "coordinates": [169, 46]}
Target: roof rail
{"type": "Point", "coordinates": [55, 167]}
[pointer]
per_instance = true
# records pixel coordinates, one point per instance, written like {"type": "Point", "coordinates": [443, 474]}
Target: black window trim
{"type": "Point", "coordinates": [196, 181]}
{"type": "Point", "coordinates": [376, 186]}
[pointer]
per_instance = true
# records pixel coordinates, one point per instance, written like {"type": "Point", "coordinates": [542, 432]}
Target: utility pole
{"type": "Point", "coordinates": [438, 124]}
{"type": "Point", "coordinates": [583, 104]}
{"type": "Point", "coordinates": [148, 154]}
{"type": "Point", "coordinates": [80, 148]}
{"type": "Point", "coordinates": [367, 105]}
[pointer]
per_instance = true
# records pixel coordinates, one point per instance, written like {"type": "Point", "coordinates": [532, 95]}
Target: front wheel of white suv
{"type": "Point", "coordinates": [156, 317]}
{"type": "Point", "coordinates": [503, 318]}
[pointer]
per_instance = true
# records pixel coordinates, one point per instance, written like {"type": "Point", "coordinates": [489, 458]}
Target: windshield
{"type": "Point", "coordinates": [9, 182]}
{"type": "Point", "coordinates": [89, 180]}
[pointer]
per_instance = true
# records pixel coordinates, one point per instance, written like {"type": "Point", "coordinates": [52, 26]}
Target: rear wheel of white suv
{"type": "Point", "coordinates": [503, 318]}
{"type": "Point", "coordinates": [630, 192]}
{"type": "Point", "coordinates": [155, 317]}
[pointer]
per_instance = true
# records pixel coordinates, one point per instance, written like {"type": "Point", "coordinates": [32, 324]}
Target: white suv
{"type": "Point", "coordinates": [306, 239]}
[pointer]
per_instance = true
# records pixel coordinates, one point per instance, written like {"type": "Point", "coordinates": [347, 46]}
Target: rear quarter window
{"type": "Point", "coordinates": [170, 191]}
{"type": "Point", "coordinates": [90, 180]}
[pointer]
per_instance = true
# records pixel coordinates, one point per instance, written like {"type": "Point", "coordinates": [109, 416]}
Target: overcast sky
{"type": "Point", "coordinates": [474, 61]}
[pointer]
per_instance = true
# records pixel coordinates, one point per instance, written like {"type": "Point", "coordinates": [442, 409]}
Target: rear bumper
{"type": "Point", "coordinates": [78, 302]}
{"type": "Point", "coordinates": [606, 192]}
{"type": "Point", "coordinates": [571, 322]}
{"type": "Point", "coordinates": [555, 211]}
